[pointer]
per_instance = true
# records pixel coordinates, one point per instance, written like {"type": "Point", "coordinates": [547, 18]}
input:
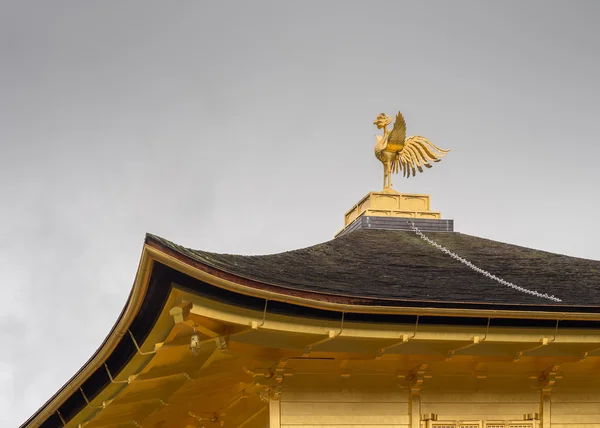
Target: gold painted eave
{"type": "Point", "coordinates": [121, 327]}
{"type": "Point", "coordinates": [151, 254]}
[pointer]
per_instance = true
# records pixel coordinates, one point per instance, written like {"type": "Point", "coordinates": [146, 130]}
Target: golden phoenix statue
{"type": "Point", "coordinates": [398, 153]}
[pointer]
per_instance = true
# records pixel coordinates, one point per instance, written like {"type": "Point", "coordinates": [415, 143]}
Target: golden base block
{"type": "Point", "coordinates": [389, 203]}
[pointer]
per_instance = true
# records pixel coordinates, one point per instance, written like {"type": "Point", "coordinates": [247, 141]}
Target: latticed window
{"type": "Point", "coordinates": [457, 424]}
{"type": "Point", "coordinates": [509, 424]}
{"type": "Point", "coordinates": [482, 424]}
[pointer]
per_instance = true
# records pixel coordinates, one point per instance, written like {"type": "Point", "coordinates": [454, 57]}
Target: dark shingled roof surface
{"type": "Point", "coordinates": [398, 265]}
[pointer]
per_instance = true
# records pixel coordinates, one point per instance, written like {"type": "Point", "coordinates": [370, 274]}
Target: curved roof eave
{"type": "Point", "coordinates": [148, 293]}
{"type": "Point", "coordinates": [119, 329]}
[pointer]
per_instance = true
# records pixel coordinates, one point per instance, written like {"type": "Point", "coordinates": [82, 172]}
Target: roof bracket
{"type": "Point", "coordinates": [546, 379]}
{"type": "Point", "coordinates": [544, 342]}
{"type": "Point", "coordinates": [254, 324]}
{"type": "Point", "coordinates": [61, 418]}
{"type": "Point", "coordinates": [102, 407]}
{"type": "Point", "coordinates": [476, 341]}
{"type": "Point", "coordinates": [112, 380]}
{"type": "Point", "coordinates": [138, 346]}
{"type": "Point", "coordinates": [331, 335]}
{"type": "Point", "coordinates": [403, 339]}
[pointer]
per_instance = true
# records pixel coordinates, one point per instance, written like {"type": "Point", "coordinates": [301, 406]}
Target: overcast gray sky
{"type": "Point", "coordinates": [220, 125]}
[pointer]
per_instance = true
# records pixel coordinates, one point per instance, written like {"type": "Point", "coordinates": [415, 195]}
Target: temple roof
{"type": "Point", "coordinates": [388, 280]}
{"type": "Point", "coordinates": [389, 267]}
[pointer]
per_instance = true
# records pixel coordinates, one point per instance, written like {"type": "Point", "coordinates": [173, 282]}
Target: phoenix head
{"type": "Point", "coordinates": [382, 120]}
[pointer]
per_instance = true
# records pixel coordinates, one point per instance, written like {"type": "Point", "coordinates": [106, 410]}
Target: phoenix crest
{"type": "Point", "coordinates": [398, 153]}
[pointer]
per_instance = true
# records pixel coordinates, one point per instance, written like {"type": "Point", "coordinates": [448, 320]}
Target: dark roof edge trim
{"type": "Point", "coordinates": [343, 303]}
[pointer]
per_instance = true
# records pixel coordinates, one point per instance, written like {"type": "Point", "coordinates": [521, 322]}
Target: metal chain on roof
{"type": "Point", "coordinates": [477, 269]}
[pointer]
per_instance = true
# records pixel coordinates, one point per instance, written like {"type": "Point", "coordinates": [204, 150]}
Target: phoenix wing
{"type": "Point", "coordinates": [397, 135]}
{"type": "Point", "coordinates": [416, 154]}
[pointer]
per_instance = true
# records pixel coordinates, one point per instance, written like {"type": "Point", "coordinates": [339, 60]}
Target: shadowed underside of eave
{"type": "Point", "coordinates": [362, 268]}
{"type": "Point", "coordinates": [399, 266]}
{"type": "Point", "coordinates": [227, 377]}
